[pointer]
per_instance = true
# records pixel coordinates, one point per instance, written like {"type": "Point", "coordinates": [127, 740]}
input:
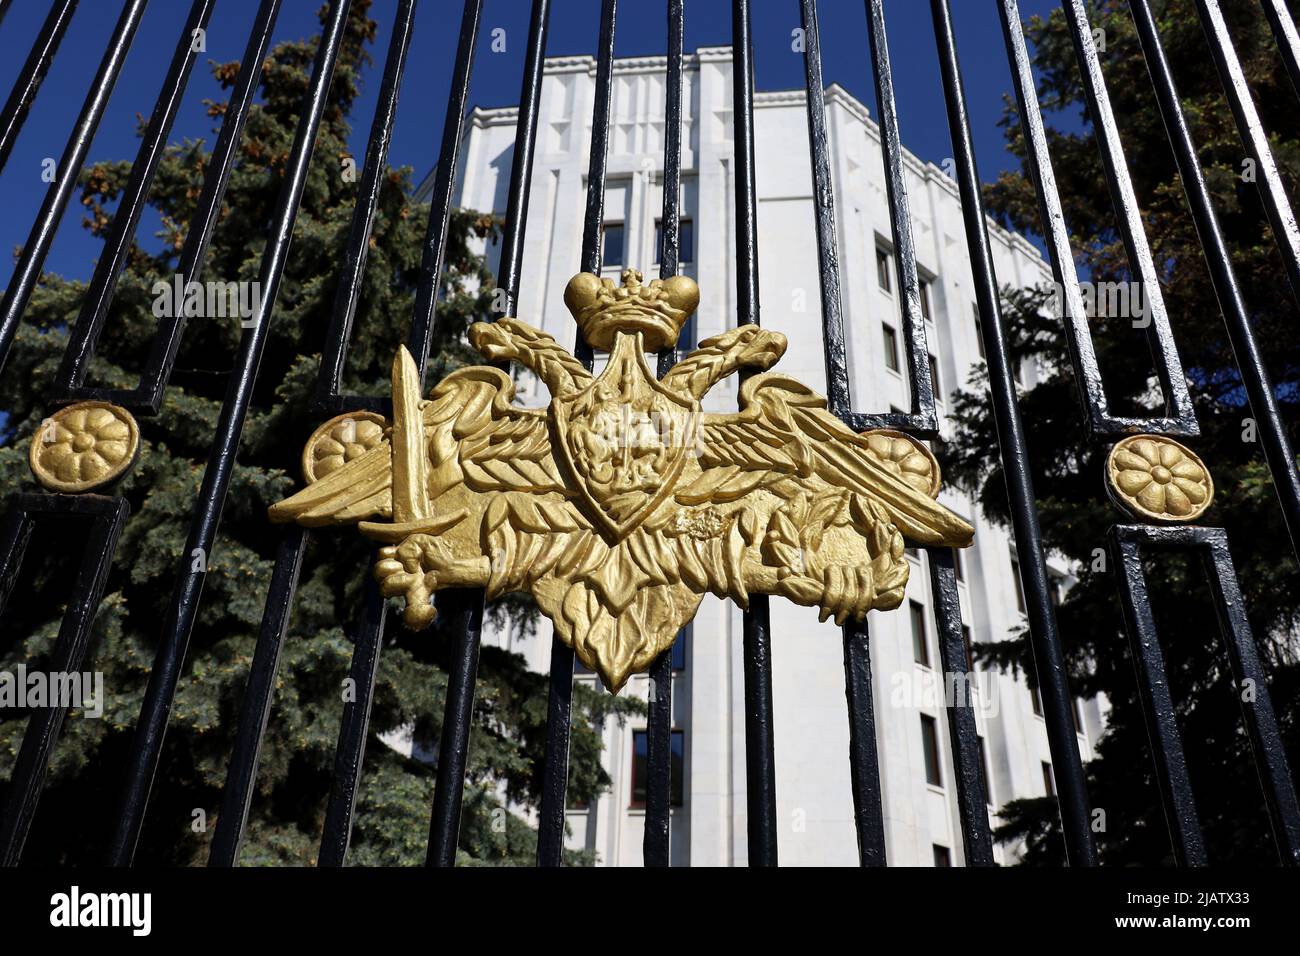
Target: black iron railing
{"type": "Point", "coordinates": [461, 613]}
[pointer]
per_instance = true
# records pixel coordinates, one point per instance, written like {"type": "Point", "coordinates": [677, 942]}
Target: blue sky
{"type": "Point", "coordinates": [641, 30]}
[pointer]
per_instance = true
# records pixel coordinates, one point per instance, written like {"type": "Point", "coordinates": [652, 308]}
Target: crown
{"type": "Point", "coordinates": [658, 310]}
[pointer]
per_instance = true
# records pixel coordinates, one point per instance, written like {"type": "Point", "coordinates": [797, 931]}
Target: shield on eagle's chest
{"type": "Point", "coordinates": [624, 439]}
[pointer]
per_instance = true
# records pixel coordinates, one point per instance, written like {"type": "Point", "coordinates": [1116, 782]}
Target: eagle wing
{"type": "Point", "coordinates": [782, 436]}
{"type": "Point", "coordinates": [474, 437]}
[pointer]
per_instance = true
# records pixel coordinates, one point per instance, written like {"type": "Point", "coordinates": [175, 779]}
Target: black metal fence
{"type": "Point", "coordinates": [461, 612]}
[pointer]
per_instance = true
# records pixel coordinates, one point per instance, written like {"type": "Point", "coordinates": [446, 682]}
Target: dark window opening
{"type": "Point", "coordinates": [641, 771]}
{"type": "Point", "coordinates": [1020, 591]}
{"type": "Point", "coordinates": [611, 246]}
{"type": "Point", "coordinates": [679, 648]}
{"type": "Point", "coordinates": [930, 745]}
{"type": "Point", "coordinates": [920, 646]}
{"type": "Point", "coordinates": [685, 241]}
{"type": "Point", "coordinates": [891, 347]}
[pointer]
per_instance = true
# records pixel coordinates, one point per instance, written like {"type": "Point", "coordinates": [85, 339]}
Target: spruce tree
{"type": "Point", "coordinates": [1068, 469]}
{"type": "Point", "coordinates": [75, 817]}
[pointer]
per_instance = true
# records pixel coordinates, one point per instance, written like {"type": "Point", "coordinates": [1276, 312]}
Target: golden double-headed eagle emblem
{"type": "Point", "coordinates": [622, 503]}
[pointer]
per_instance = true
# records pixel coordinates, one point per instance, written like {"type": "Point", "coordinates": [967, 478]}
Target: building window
{"type": "Point", "coordinates": [920, 646]}
{"type": "Point", "coordinates": [640, 767]}
{"type": "Point", "coordinates": [891, 347]}
{"type": "Point", "coordinates": [930, 745]}
{"type": "Point", "coordinates": [942, 856]}
{"type": "Point", "coordinates": [934, 378]}
{"type": "Point", "coordinates": [958, 564]}
{"type": "Point", "coordinates": [1049, 785]}
{"type": "Point", "coordinates": [1076, 711]}
{"type": "Point", "coordinates": [1020, 591]}
{"type": "Point", "coordinates": [979, 331]}
{"type": "Point", "coordinates": [679, 649]}
{"type": "Point", "coordinates": [965, 640]}
{"type": "Point", "coordinates": [984, 766]}
{"type": "Point", "coordinates": [685, 241]}
{"type": "Point", "coordinates": [1036, 700]}
{"type": "Point", "coordinates": [883, 276]}
{"type": "Point", "coordinates": [925, 299]}
{"type": "Point", "coordinates": [611, 246]}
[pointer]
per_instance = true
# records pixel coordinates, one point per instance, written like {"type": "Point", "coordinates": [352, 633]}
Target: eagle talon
{"type": "Point", "coordinates": [407, 570]}
{"type": "Point", "coordinates": [847, 592]}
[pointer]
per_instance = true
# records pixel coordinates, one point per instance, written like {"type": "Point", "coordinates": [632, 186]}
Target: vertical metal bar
{"type": "Point", "coordinates": [1168, 366]}
{"type": "Point", "coordinates": [461, 611]}
{"type": "Point", "coordinates": [1087, 374]}
{"type": "Point", "coordinates": [559, 729]}
{"type": "Point", "coordinates": [28, 270]}
{"type": "Point", "coordinates": [967, 762]}
{"type": "Point", "coordinates": [1092, 394]}
{"type": "Point", "coordinates": [170, 657]}
{"type": "Point", "coordinates": [760, 756]}
{"type": "Point", "coordinates": [760, 747]}
{"type": "Point", "coordinates": [1272, 191]}
{"type": "Point", "coordinates": [594, 214]}
{"type": "Point", "coordinates": [555, 773]}
{"type": "Point", "coordinates": [146, 398]}
{"type": "Point", "coordinates": [659, 738]}
{"type": "Point", "coordinates": [671, 218]}
{"type": "Point", "coordinates": [108, 515]}
{"type": "Point", "coordinates": [521, 170]}
{"type": "Point", "coordinates": [857, 659]}
{"type": "Point", "coordinates": [1256, 705]}
{"type": "Point", "coordinates": [33, 74]}
{"type": "Point", "coordinates": [354, 729]}
{"type": "Point", "coordinates": [923, 421]}
{"type": "Point", "coordinates": [14, 537]}
{"type": "Point", "coordinates": [864, 762]}
{"type": "Point", "coordinates": [373, 177]}
{"type": "Point", "coordinates": [134, 198]}
{"type": "Point", "coordinates": [1049, 656]}
{"type": "Point", "coordinates": [1254, 373]}
{"type": "Point", "coordinates": [1157, 705]}
{"type": "Point", "coordinates": [1288, 41]}
{"type": "Point", "coordinates": [560, 689]}
{"type": "Point", "coordinates": [837, 372]}
{"type": "Point", "coordinates": [444, 182]}
{"type": "Point", "coordinates": [241, 775]}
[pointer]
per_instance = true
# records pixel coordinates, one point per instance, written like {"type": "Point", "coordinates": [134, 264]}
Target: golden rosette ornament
{"type": "Point", "coordinates": [84, 446]}
{"type": "Point", "coordinates": [1156, 478]}
{"type": "Point", "coordinates": [905, 457]}
{"type": "Point", "coordinates": [340, 440]}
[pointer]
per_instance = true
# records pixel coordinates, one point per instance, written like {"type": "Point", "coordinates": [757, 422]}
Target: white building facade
{"type": "Point", "coordinates": [814, 801]}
